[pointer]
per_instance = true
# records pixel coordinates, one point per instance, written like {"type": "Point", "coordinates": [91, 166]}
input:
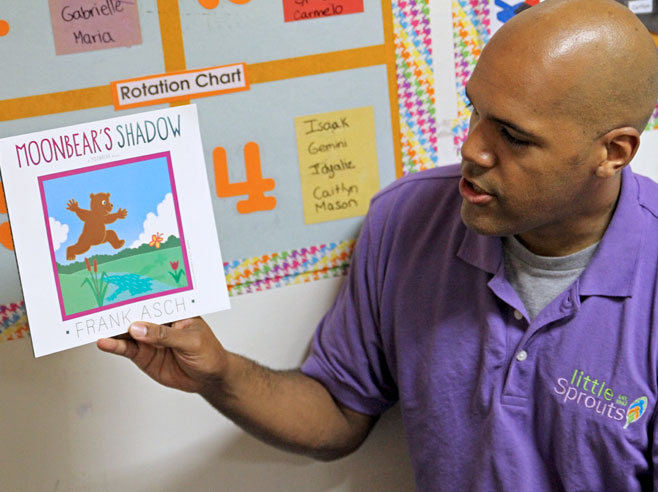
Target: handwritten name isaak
{"type": "Point", "coordinates": [50, 149]}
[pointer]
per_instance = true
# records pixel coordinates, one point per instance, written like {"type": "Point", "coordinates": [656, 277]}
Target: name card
{"type": "Point", "coordinates": [337, 163]}
{"type": "Point", "coordinates": [87, 25]}
{"type": "Point", "coordinates": [294, 10]}
{"type": "Point", "coordinates": [641, 6]}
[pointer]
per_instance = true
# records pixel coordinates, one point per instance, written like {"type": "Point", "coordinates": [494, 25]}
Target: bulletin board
{"type": "Point", "coordinates": [293, 155]}
{"type": "Point", "coordinates": [388, 73]}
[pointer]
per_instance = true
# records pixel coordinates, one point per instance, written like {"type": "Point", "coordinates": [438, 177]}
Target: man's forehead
{"type": "Point", "coordinates": [528, 74]}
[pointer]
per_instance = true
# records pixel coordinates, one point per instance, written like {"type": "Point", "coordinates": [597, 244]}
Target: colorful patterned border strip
{"type": "Point", "coordinates": [653, 121]}
{"type": "Point", "coordinates": [288, 267]}
{"type": "Point", "coordinates": [470, 31]}
{"type": "Point", "coordinates": [413, 55]}
{"type": "Point", "coordinates": [13, 322]}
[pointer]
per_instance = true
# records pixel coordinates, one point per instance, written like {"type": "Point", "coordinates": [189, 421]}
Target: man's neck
{"type": "Point", "coordinates": [571, 235]}
{"type": "Point", "coordinates": [549, 245]}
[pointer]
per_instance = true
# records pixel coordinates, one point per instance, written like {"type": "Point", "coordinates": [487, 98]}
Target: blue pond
{"type": "Point", "coordinates": [125, 286]}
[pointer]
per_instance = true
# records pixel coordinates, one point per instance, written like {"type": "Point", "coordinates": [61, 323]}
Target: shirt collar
{"type": "Point", "coordinates": [611, 272]}
{"type": "Point", "coordinates": [614, 265]}
{"type": "Point", "coordinates": [483, 252]}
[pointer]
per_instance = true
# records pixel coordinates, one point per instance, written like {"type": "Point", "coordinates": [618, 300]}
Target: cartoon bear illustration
{"type": "Point", "coordinates": [94, 232]}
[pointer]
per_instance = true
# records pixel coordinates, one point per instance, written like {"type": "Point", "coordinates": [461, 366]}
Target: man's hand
{"type": "Point", "coordinates": [185, 355]}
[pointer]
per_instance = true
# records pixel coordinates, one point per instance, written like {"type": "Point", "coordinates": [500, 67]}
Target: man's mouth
{"type": "Point", "coordinates": [477, 188]}
{"type": "Point", "coordinates": [473, 193]}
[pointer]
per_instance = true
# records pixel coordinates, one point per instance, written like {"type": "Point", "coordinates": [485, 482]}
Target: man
{"type": "Point", "coordinates": [511, 308]}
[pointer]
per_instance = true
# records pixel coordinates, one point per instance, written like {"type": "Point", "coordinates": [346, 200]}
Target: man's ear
{"type": "Point", "coordinates": [620, 146]}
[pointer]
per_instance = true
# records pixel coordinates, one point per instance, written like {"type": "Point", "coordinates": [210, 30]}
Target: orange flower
{"type": "Point", "coordinates": [156, 240]}
{"type": "Point", "coordinates": [95, 266]}
{"type": "Point", "coordinates": [88, 265]}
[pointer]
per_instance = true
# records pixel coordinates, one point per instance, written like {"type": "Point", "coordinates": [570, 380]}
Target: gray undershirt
{"type": "Point", "coordinates": [540, 279]}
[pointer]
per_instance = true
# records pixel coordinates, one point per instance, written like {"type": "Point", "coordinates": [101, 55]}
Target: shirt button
{"type": "Point", "coordinates": [518, 315]}
{"type": "Point", "coordinates": [522, 355]}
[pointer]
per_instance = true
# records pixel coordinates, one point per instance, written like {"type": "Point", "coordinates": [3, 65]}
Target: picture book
{"type": "Point", "coordinates": [112, 223]}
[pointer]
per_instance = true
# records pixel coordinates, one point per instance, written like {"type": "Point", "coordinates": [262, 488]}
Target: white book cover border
{"type": "Point", "coordinates": [54, 329]}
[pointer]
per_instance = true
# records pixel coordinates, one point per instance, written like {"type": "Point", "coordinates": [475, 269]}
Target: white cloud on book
{"type": "Point", "coordinates": [58, 232]}
{"type": "Point", "coordinates": [163, 222]}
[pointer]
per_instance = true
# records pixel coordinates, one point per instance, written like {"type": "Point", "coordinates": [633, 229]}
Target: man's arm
{"type": "Point", "coordinates": [284, 408]}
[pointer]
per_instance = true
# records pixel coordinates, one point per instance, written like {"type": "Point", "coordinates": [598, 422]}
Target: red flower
{"type": "Point", "coordinates": [95, 266]}
{"type": "Point", "coordinates": [174, 265]}
{"type": "Point", "coordinates": [88, 265]}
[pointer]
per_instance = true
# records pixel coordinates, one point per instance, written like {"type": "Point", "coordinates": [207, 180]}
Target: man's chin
{"type": "Point", "coordinates": [484, 225]}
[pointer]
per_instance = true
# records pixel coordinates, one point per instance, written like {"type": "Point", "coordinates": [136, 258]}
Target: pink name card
{"type": "Point", "coordinates": [87, 25]}
{"type": "Point", "coordinates": [294, 10]}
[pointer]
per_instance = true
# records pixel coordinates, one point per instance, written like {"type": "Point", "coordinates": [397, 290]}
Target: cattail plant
{"type": "Point", "coordinates": [96, 283]}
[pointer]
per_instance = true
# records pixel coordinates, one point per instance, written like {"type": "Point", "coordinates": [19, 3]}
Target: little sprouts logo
{"type": "Point", "coordinates": [636, 410]}
{"type": "Point", "coordinates": [597, 396]}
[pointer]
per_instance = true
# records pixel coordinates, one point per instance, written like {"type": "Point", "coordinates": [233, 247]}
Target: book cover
{"type": "Point", "coordinates": [112, 223]}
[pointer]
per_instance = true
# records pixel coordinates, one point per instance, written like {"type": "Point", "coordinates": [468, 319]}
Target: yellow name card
{"type": "Point", "coordinates": [337, 163]}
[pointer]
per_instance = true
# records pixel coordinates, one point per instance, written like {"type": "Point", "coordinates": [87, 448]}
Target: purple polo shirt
{"type": "Point", "coordinates": [490, 401]}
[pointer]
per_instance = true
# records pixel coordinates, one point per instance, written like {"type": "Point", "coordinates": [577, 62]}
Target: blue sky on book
{"type": "Point", "coordinates": [143, 188]}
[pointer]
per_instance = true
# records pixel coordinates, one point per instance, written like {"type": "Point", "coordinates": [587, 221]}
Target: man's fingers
{"type": "Point", "coordinates": [123, 347]}
{"type": "Point", "coordinates": [178, 337]}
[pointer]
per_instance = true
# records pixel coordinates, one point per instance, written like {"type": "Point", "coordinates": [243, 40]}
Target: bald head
{"type": "Point", "coordinates": [590, 59]}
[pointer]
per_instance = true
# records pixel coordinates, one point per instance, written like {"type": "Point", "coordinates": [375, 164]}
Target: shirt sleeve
{"type": "Point", "coordinates": [654, 450]}
{"type": "Point", "coordinates": [347, 354]}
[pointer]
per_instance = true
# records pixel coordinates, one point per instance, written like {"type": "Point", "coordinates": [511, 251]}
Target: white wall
{"type": "Point", "coordinates": [83, 420]}
{"type": "Point", "coordinates": [646, 160]}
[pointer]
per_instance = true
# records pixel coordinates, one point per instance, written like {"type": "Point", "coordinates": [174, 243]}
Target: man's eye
{"type": "Point", "coordinates": [512, 139]}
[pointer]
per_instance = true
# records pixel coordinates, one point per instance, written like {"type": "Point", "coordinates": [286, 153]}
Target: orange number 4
{"type": "Point", "coordinates": [254, 186]}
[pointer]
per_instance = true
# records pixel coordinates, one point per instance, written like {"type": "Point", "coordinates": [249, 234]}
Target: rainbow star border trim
{"type": "Point", "coordinates": [288, 267]}
{"type": "Point", "coordinates": [416, 101]}
{"type": "Point", "coordinates": [13, 322]}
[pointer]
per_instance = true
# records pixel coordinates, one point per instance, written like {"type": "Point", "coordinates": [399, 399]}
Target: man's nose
{"type": "Point", "coordinates": [478, 147]}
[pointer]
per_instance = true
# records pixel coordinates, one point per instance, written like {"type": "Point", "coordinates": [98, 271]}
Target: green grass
{"type": "Point", "coordinates": [154, 264]}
